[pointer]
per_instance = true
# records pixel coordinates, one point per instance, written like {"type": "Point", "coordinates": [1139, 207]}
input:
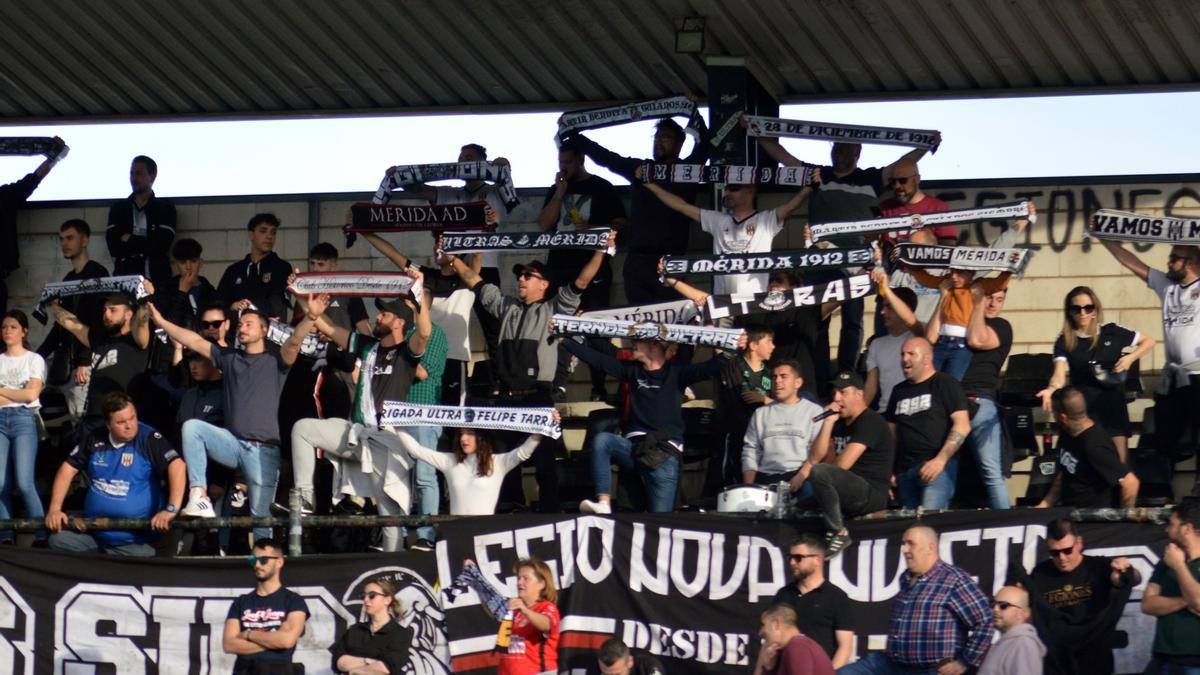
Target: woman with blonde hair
{"type": "Point", "coordinates": [1095, 358]}
{"type": "Point", "coordinates": [533, 647]}
{"type": "Point", "coordinates": [377, 645]}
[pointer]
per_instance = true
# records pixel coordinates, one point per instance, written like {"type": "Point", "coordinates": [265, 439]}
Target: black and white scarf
{"type": "Point", "coordinates": [527, 420]}
{"type": "Point", "coordinates": [731, 174]}
{"type": "Point", "coordinates": [32, 145]}
{"type": "Point", "coordinates": [700, 336]}
{"type": "Point", "coordinates": [1128, 226]}
{"type": "Point", "coordinates": [414, 174]}
{"type": "Point", "coordinates": [673, 311]}
{"type": "Point", "coordinates": [133, 285]}
{"type": "Point", "coordinates": [813, 295]}
{"type": "Point", "coordinates": [774, 127]}
{"type": "Point", "coordinates": [974, 258]}
{"type": "Point", "coordinates": [364, 284]}
{"type": "Point", "coordinates": [591, 239]}
{"type": "Point", "coordinates": [910, 223]}
{"type": "Point", "coordinates": [661, 108]}
{"type": "Point", "coordinates": [771, 261]}
{"type": "Point", "coordinates": [311, 346]}
{"type": "Point", "coordinates": [417, 217]}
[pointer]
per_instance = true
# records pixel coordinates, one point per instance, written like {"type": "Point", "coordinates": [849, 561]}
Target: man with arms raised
{"type": "Point", "coordinates": [264, 625]}
{"type": "Point", "coordinates": [855, 452]}
{"type": "Point", "coordinates": [940, 620]}
{"type": "Point", "coordinates": [928, 416]}
{"type": "Point", "coordinates": [823, 610]}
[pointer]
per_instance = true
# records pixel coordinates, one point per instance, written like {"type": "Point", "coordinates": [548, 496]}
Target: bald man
{"type": "Point", "coordinates": [1019, 651]}
{"type": "Point", "coordinates": [908, 199]}
{"type": "Point", "coordinates": [927, 413]}
{"type": "Point", "coordinates": [940, 621]}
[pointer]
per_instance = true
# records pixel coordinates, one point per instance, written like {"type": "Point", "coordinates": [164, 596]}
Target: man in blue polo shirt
{"type": "Point", "coordinates": [124, 464]}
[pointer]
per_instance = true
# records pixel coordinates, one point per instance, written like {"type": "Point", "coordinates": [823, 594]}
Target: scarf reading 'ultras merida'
{"type": "Point", "coordinates": [591, 239]}
{"type": "Point", "coordinates": [725, 338]}
{"type": "Point", "coordinates": [417, 217]}
{"type": "Point", "coordinates": [974, 258]}
{"type": "Point", "coordinates": [1127, 226]}
{"type": "Point", "coordinates": [731, 174]}
{"type": "Point", "coordinates": [133, 285]}
{"type": "Point", "coordinates": [910, 223]}
{"type": "Point", "coordinates": [597, 118]}
{"type": "Point", "coordinates": [33, 145]}
{"type": "Point", "coordinates": [529, 420]}
{"type": "Point", "coordinates": [838, 290]}
{"type": "Point", "coordinates": [365, 284]}
{"type": "Point", "coordinates": [414, 174]}
{"type": "Point", "coordinates": [775, 127]}
{"type": "Point", "coordinates": [772, 261]}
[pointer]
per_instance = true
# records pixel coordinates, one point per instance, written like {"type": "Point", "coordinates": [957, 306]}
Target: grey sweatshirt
{"type": "Point", "coordinates": [527, 359]}
{"type": "Point", "coordinates": [1017, 652]}
{"type": "Point", "coordinates": [779, 436]}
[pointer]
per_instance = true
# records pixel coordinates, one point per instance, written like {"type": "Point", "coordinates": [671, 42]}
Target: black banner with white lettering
{"type": "Point", "coordinates": [591, 239]}
{"type": "Point", "coordinates": [1142, 228]}
{"type": "Point", "coordinates": [974, 258]}
{"type": "Point", "coordinates": [367, 217]}
{"type": "Point", "coordinates": [686, 587]}
{"type": "Point", "coordinates": [771, 261]}
{"type": "Point", "coordinates": [838, 290]}
{"type": "Point", "coordinates": [730, 174]}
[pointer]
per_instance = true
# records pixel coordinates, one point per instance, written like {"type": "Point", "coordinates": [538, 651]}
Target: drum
{"type": "Point", "coordinates": [746, 498]}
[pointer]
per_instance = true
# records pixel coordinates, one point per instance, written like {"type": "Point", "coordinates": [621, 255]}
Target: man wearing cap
{"type": "Point", "coordinates": [776, 447]}
{"type": "Point", "coordinates": [854, 453]}
{"type": "Point", "coordinates": [118, 353]}
{"type": "Point", "coordinates": [389, 366]}
{"type": "Point", "coordinates": [527, 360]}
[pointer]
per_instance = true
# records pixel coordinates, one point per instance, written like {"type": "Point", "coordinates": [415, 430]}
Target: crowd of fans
{"type": "Point", "coordinates": [184, 405]}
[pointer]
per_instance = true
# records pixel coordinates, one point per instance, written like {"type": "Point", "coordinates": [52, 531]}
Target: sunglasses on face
{"type": "Point", "coordinates": [371, 595]}
{"type": "Point", "coordinates": [530, 275]}
{"type": "Point", "coordinates": [1004, 604]}
{"type": "Point", "coordinates": [1083, 309]}
{"type": "Point", "coordinates": [1060, 552]}
{"type": "Point", "coordinates": [899, 179]}
{"type": "Point", "coordinates": [261, 559]}
{"type": "Point", "coordinates": [204, 325]}
{"type": "Point", "coordinates": [799, 557]}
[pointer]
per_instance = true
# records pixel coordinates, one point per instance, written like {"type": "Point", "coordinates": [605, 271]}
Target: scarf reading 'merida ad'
{"type": "Point", "coordinates": [416, 217]}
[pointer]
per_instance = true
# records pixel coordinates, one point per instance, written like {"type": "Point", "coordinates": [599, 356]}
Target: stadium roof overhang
{"type": "Point", "coordinates": [125, 60]}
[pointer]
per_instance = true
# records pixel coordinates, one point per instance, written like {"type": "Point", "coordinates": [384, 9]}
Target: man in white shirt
{"type": "Point", "coordinates": [740, 228]}
{"type": "Point", "coordinates": [1178, 399]}
{"type": "Point", "coordinates": [883, 351]}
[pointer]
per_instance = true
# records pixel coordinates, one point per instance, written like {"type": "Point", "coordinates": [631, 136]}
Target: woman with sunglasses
{"type": "Point", "coordinates": [378, 644]}
{"type": "Point", "coordinates": [22, 374]}
{"type": "Point", "coordinates": [1095, 357]}
{"type": "Point", "coordinates": [473, 472]}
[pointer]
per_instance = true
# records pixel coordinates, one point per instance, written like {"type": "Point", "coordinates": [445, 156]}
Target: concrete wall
{"type": "Point", "coordinates": [1064, 258]}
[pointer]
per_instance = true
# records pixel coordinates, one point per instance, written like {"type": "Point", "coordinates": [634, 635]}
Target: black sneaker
{"type": "Point", "coordinates": [559, 395]}
{"type": "Point", "coordinates": [422, 545]}
{"type": "Point", "coordinates": [835, 543]}
{"type": "Point", "coordinates": [599, 396]}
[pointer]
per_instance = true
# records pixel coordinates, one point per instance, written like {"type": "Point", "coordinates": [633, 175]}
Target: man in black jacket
{"type": "Point", "coordinates": [654, 229]}
{"type": "Point", "coordinates": [141, 227]}
{"type": "Point", "coordinates": [261, 278]}
{"type": "Point", "coordinates": [12, 196]}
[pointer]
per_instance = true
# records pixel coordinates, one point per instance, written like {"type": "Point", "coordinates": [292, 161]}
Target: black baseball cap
{"type": "Point", "coordinates": [396, 306]}
{"type": "Point", "coordinates": [847, 378]}
{"type": "Point", "coordinates": [534, 266]}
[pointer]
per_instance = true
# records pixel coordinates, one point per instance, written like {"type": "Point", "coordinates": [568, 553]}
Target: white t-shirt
{"type": "Point", "coordinates": [488, 193]}
{"type": "Point", "coordinates": [1180, 317]}
{"type": "Point", "coordinates": [752, 235]}
{"type": "Point", "coordinates": [453, 314]}
{"type": "Point", "coordinates": [884, 353]}
{"type": "Point", "coordinates": [470, 493]}
{"type": "Point", "coordinates": [17, 371]}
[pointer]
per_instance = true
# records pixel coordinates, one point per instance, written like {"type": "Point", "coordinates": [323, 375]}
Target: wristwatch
{"type": "Point", "coordinates": [171, 508]}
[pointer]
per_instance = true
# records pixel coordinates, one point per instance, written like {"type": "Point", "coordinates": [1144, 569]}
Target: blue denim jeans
{"type": "Point", "coordinates": [661, 483]}
{"type": "Point", "coordinates": [258, 462]}
{"type": "Point", "coordinates": [426, 494]}
{"type": "Point", "coordinates": [18, 455]}
{"type": "Point", "coordinates": [877, 663]}
{"type": "Point", "coordinates": [1159, 667]}
{"type": "Point", "coordinates": [936, 495]}
{"type": "Point", "coordinates": [82, 542]}
{"type": "Point", "coordinates": [987, 442]}
{"type": "Point", "coordinates": [951, 356]}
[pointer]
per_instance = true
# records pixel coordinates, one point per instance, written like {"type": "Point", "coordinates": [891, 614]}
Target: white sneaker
{"type": "Point", "coordinates": [589, 506]}
{"type": "Point", "coordinates": [199, 506]}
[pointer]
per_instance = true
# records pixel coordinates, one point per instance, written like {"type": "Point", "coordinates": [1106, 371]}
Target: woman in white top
{"type": "Point", "coordinates": [22, 374]}
{"type": "Point", "coordinates": [473, 473]}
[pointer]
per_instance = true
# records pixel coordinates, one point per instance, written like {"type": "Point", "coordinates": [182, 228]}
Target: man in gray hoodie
{"type": "Point", "coordinates": [1018, 651]}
